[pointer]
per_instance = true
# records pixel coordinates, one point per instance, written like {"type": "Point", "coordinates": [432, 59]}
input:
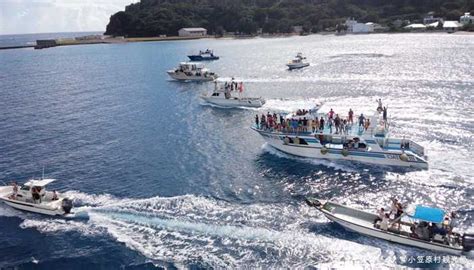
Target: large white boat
{"type": "Point", "coordinates": [413, 230]}
{"type": "Point", "coordinates": [33, 197]}
{"type": "Point", "coordinates": [371, 144]}
{"type": "Point", "coordinates": [297, 62]}
{"type": "Point", "coordinates": [230, 94]}
{"type": "Point", "coordinates": [191, 72]}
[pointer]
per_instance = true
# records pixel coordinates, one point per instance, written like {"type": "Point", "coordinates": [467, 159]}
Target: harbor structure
{"type": "Point", "coordinates": [192, 32]}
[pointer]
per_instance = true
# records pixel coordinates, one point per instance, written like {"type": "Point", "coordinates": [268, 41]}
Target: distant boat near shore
{"type": "Point", "coordinates": [207, 55]}
{"type": "Point", "coordinates": [192, 72]}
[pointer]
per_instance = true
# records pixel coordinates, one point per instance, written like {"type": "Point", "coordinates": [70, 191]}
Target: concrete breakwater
{"type": "Point", "coordinates": [49, 43]}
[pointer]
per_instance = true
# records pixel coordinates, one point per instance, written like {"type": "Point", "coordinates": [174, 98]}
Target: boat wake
{"type": "Point", "coordinates": [189, 229]}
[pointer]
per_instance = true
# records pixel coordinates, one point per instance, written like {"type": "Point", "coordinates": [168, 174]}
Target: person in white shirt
{"type": "Point", "coordinates": [384, 223]}
{"type": "Point", "coordinates": [380, 215]}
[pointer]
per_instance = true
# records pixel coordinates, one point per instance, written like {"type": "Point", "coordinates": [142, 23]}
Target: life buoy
{"type": "Point", "coordinates": [345, 152]}
{"type": "Point", "coordinates": [404, 157]}
{"type": "Point", "coordinates": [324, 150]}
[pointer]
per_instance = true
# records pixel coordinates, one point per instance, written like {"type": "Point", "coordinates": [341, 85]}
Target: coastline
{"type": "Point", "coordinates": [115, 40]}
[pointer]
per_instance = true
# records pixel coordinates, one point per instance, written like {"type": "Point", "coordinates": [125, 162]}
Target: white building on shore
{"type": "Point", "coordinates": [355, 27]}
{"type": "Point", "coordinates": [192, 32]}
{"type": "Point", "coordinates": [451, 26]}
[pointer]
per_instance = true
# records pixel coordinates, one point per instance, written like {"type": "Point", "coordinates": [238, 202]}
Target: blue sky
{"type": "Point", "coordinates": [43, 16]}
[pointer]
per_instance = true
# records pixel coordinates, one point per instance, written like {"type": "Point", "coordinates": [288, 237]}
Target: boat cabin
{"type": "Point", "coordinates": [34, 190]}
{"type": "Point", "coordinates": [186, 66]}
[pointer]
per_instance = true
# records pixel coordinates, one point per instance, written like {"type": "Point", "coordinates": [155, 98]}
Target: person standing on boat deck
{"type": "Point", "coordinates": [344, 126]}
{"type": "Point", "coordinates": [15, 189]}
{"type": "Point", "coordinates": [331, 114]}
{"type": "Point", "coordinates": [384, 222]}
{"type": "Point", "coordinates": [35, 194]}
{"type": "Point", "coordinates": [337, 123]}
{"type": "Point", "coordinates": [397, 210]}
{"type": "Point", "coordinates": [256, 121]}
{"type": "Point", "coordinates": [367, 124]}
{"type": "Point", "coordinates": [351, 116]}
{"type": "Point", "coordinates": [361, 120]}
{"type": "Point", "coordinates": [55, 196]}
{"type": "Point", "coordinates": [449, 222]}
{"type": "Point", "coordinates": [379, 107]}
{"type": "Point", "coordinates": [321, 124]}
{"type": "Point", "coordinates": [384, 114]}
{"type": "Point", "coordinates": [380, 215]}
{"type": "Point", "coordinates": [330, 123]}
{"type": "Point", "coordinates": [393, 206]}
{"type": "Point", "coordinates": [305, 124]}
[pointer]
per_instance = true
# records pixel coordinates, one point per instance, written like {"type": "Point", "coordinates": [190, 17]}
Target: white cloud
{"type": "Point", "coordinates": [41, 16]}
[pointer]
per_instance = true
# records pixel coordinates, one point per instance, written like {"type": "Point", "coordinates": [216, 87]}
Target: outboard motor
{"type": "Point", "coordinates": [468, 242]}
{"type": "Point", "coordinates": [66, 205]}
{"type": "Point", "coordinates": [313, 202]}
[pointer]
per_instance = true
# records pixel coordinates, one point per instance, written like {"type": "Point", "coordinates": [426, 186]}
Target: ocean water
{"type": "Point", "coordinates": [161, 179]}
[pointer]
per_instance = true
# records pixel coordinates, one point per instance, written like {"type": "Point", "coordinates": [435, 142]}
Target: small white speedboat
{"type": "Point", "coordinates": [366, 223]}
{"type": "Point", "coordinates": [33, 197]}
{"type": "Point", "coordinates": [298, 62]}
{"type": "Point", "coordinates": [191, 72]}
{"type": "Point", "coordinates": [230, 94]}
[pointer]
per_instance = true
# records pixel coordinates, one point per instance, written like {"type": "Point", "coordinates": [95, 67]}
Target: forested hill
{"type": "Point", "coordinates": [155, 17]}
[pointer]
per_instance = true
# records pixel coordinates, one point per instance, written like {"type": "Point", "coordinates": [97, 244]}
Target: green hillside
{"type": "Point", "coordinates": [155, 17]}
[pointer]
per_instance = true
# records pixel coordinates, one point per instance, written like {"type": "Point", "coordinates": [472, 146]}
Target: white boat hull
{"type": "Point", "coordinates": [297, 66]}
{"type": "Point", "coordinates": [363, 222]}
{"type": "Point", "coordinates": [235, 102]}
{"type": "Point", "coordinates": [378, 158]}
{"type": "Point", "coordinates": [390, 236]}
{"type": "Point", "coordinates": [180, 76]}
{"type": "Point", "coordinates": [393, 237]}
{"type": "Point", "coordinates": [35, 208]}
{"type": "Point", "coordinates": [50, 208]}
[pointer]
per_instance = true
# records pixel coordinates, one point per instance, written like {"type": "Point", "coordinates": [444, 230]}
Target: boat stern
{"type": "Point", "coordinates": [315, 202]}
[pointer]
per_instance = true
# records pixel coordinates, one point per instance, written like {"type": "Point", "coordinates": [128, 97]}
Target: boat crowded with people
{"type": "Point", "coordinates": [417, 226]}
{"type": "Point", "coordinates": [191, 72]}
{"type": "Point", "coordinates": [298, 62]}
{"type": "Point", "coordinates": [230, 94]}
{"type": "Point", "coordinates": [206, 55]}
{"type": "Point", "coordinates": [32, 196]}
{"type": "Point", "coordinates": [336, 137]}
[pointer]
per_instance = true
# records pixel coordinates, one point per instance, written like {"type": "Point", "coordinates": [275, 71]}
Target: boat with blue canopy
{"type": "Point", "coordinates": [419, 226]}
{"type": "Point", "coordinates": [427, 214]}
